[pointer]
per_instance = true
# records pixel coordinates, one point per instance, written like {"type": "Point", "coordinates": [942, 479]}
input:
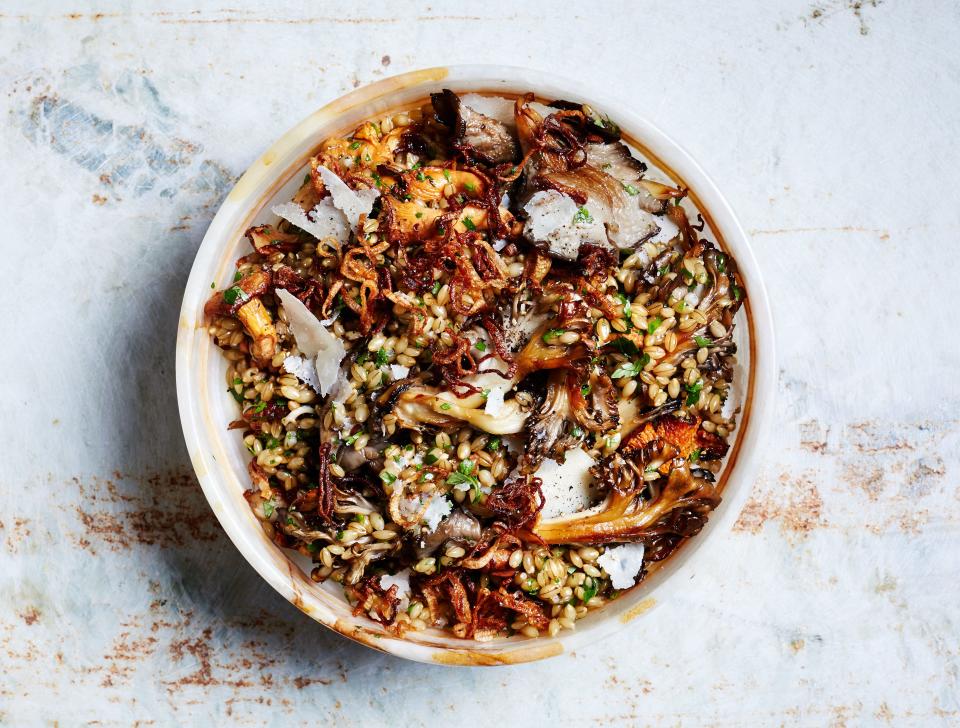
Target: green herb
{"type": "Point", "coordinates": [259, 407]}
{"type": "Point", "coordinates": [213, 284]}
{"type": "Point", "coordinates": [440, 229]}
{"type": "Point", "coordinates": [576, 431]}
{"type": "Point", "coordinates": [383, 356]}
{"type": "Point", "coordinates": [662, 269]}
{"type": "Point", "coordinates": [680, 306]}
{"type": "Point", "coordinates": [583, 215]}
{"type": "Point", "coordinates": [493, 444]}
{"type": "Point", "coordinates": [387, 477]}
{"type": "Point", "coordinates": [421, 177]}
{"type": "Point", "coordinates": [306, 178]}
{"type": "Point", "coordinates": [631, 369]}
{"type": "Point", "coordinates": [355, 145]}
{"type": "Point", "coordinates": [585, 390]}
{"type": "Point", "coordinates": [418, 215]}
{"type": "Point", "coordinates": [721, 262]}
{"type": "Point", "coordinates": [289, 521]}
{"type": "Point", "coordinates": [313, 547]}
{"type": "Point", "coordinates": [737, 293]}
{"type": "Point", "coordinates": [444, 406]}
{"type": "Point", "coordinates": [693, 393]}
{"type": "Point", "coordinates": [363, 358]}
{"type": "Point", "coordinates": [232, 295]}
{"type": "Point", "coordinates": [485, 393]}
{"type": "Point", "coordinates": [458, 478]}
{"type": "Point", "coordinates": [272, 442]}
{"type": "Point", "coordinates": [446, 174]}
{"type": "Point", "coordinates": [237, 276]}
{"type": "Point", "coordinates": [654, 324]}
{"type": "Point", "coordinates": [269, 507]}
{"type": "Point", "coordinates": [626, 347]}
{"type": "Point", "coordinates": [436, 288]}
{"type": "Point", "coordinates": [359, 517]}
{"type": "Point", "coordinates": [481, 345]}
{"type": "Point", "coordinates": [470, 186]}
{"type": "Point", "coordinates": [430, 458]}
{"type": "Point", "coordinates": [695, 455]}
{"type": "Point", "coordinates": [376, 179]}
{"type": "Point", "coordinates": [631, 190]}
{"type": "Point", "coordinates": [589, 592]}
{"type": "Point", "coordinates": [353, 438]}
{"type": "Point", "coordinates": [468, 224]}
{"type": "Point", "coordinates": [236, 395]}
{"type": "Point", "coordinates": [702, 341]}
{"type": "Point", "coordinates": [552, 334]}
{"type": "Point", "coordinates": [465, 467]}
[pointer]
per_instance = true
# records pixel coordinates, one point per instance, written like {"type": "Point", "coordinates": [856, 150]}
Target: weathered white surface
{"type": "Point", "coordinates": [831, 128]}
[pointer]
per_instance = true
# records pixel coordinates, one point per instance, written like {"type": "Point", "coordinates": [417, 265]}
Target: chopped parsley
{"type": "Point", "coordinates": [355, 145]}
{"type": "Point", "coordinates": [383, 356]}
{"type": "Point", "coordinates": [418, 215]}
{"type": "Point", "coordinates": [693, 393]}
{"type": "Point", "coordinates": [269, 507]}
{"type": "Point", "coordinates": [481, 345]}
{"type": "Point", "coordinates": [695, 455]}
{"type": "Point", "coordinates": [387, 477]}
{"type": "Point", "coordinates": [445, 406]}
{"type": "Point", "coordinates": [259, 407]}
{"type": "Point", "coordinates": [430, 458]}
{"type": "Point", "coordinates": [702, 341]}
{"type": "Point", "coordinates": [468, 224]}
{"type": "Point", "coordinates": [583, 215]}
{"type": "Point", "coordinates": [376, 179]}
{"type": "Point", "coordinates": [493, 444]}
{"type": "Point", "coordinates": [551, 334]}
{"type": "Point", "coordinates": [485, 393]}
{"type": "Point", "coordinates": [631, 190]}
{"type": "Point", "coordinates": [589, 592]}
{"type": "Point", "coordinates": [465, 467]}
{"type": "Point", "coordinates": [272, 442]}
{"type": "Point", "coordinates": [353, 438]}
{"type": "Point", "coordinates": [458, 478]}
{"type": "Point", "coordinates": [436, 288]}
{"type": "Point", "coordinates": [470, 186]}
{"type": "Point", "coordinates": [585, 390]}
{"type": "Point", "coordinates": [654, 324]}
{"type": "Point", "coordinates": [232, 295]}
{"type": "Point", "coordinates": [625, 346]}
{"type": "Point", "coordinates": [576, 431]}
{"type": "Point", "coordinates": [446, 174]}
{"type": "Point", "coordinates": [421, 177]}
{"type": "Point", "coordinates": [631, 369]}
{"type": "Point", "coordinates": [237, 276]}
{"type": "Point", "coordinates": [213, 284]}
{"type": "Point", "coordinates": [737, 293]}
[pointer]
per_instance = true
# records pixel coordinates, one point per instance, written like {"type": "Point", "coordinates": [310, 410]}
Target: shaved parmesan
{"type": "Point", "coordinates": [566, 486]}
{"type": "Point", "coordinates": [323, 221]}
{"type": "Point", "coordinates": [554, 219]}
{"type": "Point", "coordinates": [438, 509]}
{"type": "Point", "coordinates": [622, 564]}
{"type": "Point", "coordinates": [494, 405]}
{"type": "Point", "coordinates": [401, 580]}
{"type": "Point", "coordinates": [353, 203]}
{"type": "Point", "coordinates": [303, 369]}
{"type": "Point", "coordinates": [398, 372]}
{"type": "Point", "coordinates": [314, 341]}
{"type": "Point", "coordinates": [496, 107]}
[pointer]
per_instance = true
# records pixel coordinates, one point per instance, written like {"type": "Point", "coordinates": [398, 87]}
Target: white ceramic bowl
{"type": "Point", "coordinates": [219, 457]}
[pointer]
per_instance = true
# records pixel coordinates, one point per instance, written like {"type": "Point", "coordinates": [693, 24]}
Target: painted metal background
{"type": "Point", "coordinates": [831, 128]}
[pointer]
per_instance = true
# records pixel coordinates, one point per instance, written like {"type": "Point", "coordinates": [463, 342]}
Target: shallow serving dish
{"type": "Point", "coordinates": [219, 457]}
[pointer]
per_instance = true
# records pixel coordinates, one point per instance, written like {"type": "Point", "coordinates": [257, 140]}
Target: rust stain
{"type": "Point", "coordinates": [99, 199]}
{"type": "Point", "coordinates": [641, 607]}
{"type": "Point", "coordinates": [161, 509]}
{"type": "Point", "coordinates": [30, 615]}
{"type": "Point", "coordinates": [18, 534]}
{"type": "Point", "coordinates": [795, 503]}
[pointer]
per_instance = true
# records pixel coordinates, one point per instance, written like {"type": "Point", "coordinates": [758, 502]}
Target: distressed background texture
{"type": "Point", "coordinates": [831, 127]}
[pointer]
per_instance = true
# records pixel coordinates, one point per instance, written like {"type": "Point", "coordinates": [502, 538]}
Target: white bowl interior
{"type": "Point", "coordinates": [220, 459]}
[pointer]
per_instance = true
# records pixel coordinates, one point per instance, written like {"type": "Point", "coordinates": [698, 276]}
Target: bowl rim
{"type": "Point", "coordinates": [255, 188]}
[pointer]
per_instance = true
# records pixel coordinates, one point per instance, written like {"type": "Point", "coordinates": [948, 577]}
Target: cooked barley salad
{"type": "Point", "coordinates": [482, 362]}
